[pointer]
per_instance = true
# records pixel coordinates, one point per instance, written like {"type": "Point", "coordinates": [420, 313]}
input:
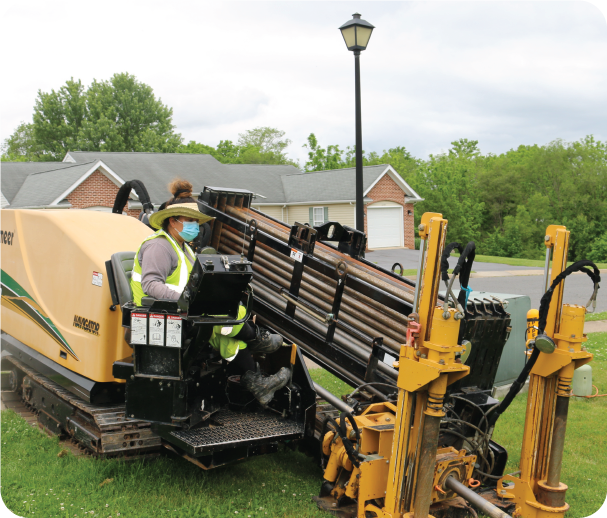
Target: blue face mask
{"type": "Point", "coordinates": [190, 230]}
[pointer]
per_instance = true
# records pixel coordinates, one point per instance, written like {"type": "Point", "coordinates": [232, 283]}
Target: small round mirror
{"type": "Point", "coordinates": [545, 344]}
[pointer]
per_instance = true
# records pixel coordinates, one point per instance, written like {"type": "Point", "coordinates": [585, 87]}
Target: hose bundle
{"type": "Point", "coordinates": [545, 301]}
{"type": "Point", "coordinates": [123, 196]}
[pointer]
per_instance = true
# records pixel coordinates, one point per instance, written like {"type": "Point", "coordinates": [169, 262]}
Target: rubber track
{"type": "Point", "coordinates": [105, 421]}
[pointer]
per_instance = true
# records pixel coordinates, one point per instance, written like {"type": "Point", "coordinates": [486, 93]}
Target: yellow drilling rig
{"type": "Point", "coordinates": [414, 438]}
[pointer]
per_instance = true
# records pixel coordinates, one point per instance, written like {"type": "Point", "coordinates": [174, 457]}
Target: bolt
{"type": "Point", "coordinates": [132, 377]}
{"type": "Point", "coordinates": [387, 462]}
{"type": "Point", "coordinates": [198, 384]}
{"type": "Point", "coordinates": [421, 227]}
{"type": "Point", "coordinates": [546, 238]}
{"type": "Point", "coordinates": [160, 383]}
{"type": "Point", "coordinates": [387, 419]}
{"type": "Point", "coordinates": [446, 315]}
{"type": "Point", "coordinates": [441, 361]}
{"type": "Point", "coordinates": [503, 491]}
{"type": "Point", "coordinates": [169, 384]}
{"type": "Point", "coordinates": [424, 356]}
{"type": "Point", "coordinates": [571, 350]}
{"type": "Point", "coordinates": [417, 353]}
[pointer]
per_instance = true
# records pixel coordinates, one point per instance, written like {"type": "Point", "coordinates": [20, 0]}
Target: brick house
{"type": "Point", "coordinates": [90, 180]}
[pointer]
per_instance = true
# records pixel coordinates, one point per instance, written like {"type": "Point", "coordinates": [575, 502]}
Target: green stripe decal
{"type": "Point", "coordinates": [15, 293]}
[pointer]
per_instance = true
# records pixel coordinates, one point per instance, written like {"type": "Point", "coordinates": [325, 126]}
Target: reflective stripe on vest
{"type": "Point", "coordinates": [176, 281]}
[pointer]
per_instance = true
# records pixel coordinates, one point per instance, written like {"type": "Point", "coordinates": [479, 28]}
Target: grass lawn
{"type": "Point", "coordinates": [38, 482]}
{"type": "Point", "coordinates": [518, 262]}
{"type": "Point", "coordinates": [596, 316]}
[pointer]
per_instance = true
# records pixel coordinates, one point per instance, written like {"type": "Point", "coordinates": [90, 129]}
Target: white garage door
{"type": "Point", "coordinates": [385, 227]}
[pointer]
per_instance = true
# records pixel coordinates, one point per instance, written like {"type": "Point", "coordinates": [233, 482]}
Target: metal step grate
{"type": "Point", "coordinates": [230, 428]}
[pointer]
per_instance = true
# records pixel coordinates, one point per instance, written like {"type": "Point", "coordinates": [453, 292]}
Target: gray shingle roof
{"type": "Point", "coordinates": [334, 185]}
{"type": "Point", "coordinates": [42, 188]}
{"type": "Point", "coordinates": [156, 170]}
{"type": "Point", "coordinates": [14, 174]}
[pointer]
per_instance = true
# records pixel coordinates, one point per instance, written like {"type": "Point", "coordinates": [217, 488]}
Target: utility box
{"type": "Point", "coordinates": [513, 356]}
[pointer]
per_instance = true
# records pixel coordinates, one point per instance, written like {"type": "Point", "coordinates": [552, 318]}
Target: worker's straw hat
{"type": "Point", "coordinates": [187, 210]}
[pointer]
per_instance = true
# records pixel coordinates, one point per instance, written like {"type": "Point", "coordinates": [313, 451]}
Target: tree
{"type": "Point", "coordinates": [320, 159]}
{"type": "Point", "coordinates": [21, 146]}
{"type": "Point", "coordinates": [121, 114]}
{"type": "Point", "coordinates": [124, 115]}
{"type": "Point", "coordinates": [266, 139]}
{"type": "Point", "coordinates": [257, 146]}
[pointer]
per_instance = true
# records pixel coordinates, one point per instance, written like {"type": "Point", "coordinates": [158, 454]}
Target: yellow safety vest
{"type": "Point", "coordinates": [176, 281]}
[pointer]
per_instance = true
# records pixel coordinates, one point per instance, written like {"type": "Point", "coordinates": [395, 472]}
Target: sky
{"type": "Point", "coordinates": [502, 73]}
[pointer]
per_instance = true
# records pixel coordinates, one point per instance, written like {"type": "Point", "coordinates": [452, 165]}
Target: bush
{"type": "Point", "coordinates": [598, 252]}
{"type": "Point", "coordinates": [418, 242]}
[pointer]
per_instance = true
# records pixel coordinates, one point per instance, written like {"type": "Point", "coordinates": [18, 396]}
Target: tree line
{"type": "Point", "coordinates": [503, 202]}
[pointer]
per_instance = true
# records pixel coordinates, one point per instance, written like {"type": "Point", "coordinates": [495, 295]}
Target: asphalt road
{"type": "Point", "coordinates": [578, 288]}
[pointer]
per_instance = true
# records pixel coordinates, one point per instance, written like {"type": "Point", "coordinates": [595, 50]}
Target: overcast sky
{"type": "Point", "coordinates": [503, 73]}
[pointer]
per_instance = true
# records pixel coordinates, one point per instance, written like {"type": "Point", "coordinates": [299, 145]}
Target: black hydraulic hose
{"type": "Point", "coordinates": [352, 454]}
{"type": "Point", "coordinates": [123, 196]}
{"type": "Point", "coordinates": [595, 275]}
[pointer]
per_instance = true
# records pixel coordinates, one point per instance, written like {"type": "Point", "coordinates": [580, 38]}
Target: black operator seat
{"type": "Point", "coordinates": [122, 267]}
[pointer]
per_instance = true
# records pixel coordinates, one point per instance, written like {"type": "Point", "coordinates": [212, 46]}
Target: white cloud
{"type": "Point", "coordinates": [505, 73]}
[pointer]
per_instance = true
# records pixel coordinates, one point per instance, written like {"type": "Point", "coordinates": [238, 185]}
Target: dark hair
{"type": "Point", "coordinates": [182, 193]}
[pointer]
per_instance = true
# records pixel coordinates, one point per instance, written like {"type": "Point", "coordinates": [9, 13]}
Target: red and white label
{"type": "Point", "coordinates": [174, 325]}
{"type": "Point", "coordinates": [97, 279]}
{"type": "Point", "coordinates": [139, 328]}
{"type": "Point", "coordinates": [156, 329]}
{"type": "Point", "coordinates": [297, 255]}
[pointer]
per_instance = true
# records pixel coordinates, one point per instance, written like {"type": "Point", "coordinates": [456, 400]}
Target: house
{"type": "Point", "coordinates": [90, 180]}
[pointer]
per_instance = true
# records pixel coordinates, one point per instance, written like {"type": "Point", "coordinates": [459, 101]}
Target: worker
{"type": "Point", "coordinates": [161, 269]}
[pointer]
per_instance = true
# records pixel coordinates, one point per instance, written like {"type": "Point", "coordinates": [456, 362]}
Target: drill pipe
{"type": "Point", "coordinates": [282, 230]}
{"type": "Point", "coordinates": [476, 500]}
{"type": "Point", "coordinates": [386, 283]}
{"type": "Point", "coordinates": [351, 316]}
{"type": "Point", "coordinates": [326, 290]}
{"type": "Point", "coordinates": [342, 339]}
{"type": "Point", "coordinates": [267, 252]}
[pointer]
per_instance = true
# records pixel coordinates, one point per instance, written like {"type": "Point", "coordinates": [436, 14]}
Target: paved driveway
{"type": "Point", "coordinates": [503, 278]}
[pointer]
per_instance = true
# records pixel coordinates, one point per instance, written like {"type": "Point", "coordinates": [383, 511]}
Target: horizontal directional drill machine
{"type": "Point", "coordinates": [414, 437]}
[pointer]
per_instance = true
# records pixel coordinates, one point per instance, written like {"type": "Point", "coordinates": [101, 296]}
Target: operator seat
{"type": "Point", "coordinates": [122, 266]}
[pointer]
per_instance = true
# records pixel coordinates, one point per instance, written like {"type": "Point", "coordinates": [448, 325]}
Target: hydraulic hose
{"type": "Point", "coordinates": [123, 196]}
{"type": "Point", "coordinates": [595, 276]}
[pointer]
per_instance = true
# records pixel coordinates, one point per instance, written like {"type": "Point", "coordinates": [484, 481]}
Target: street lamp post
{"type": "Point", "coordinates": [356, 33]}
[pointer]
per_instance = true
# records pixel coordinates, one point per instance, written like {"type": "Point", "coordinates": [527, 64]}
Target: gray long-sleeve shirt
{"type": "Point", "coordinates": [158, 260]}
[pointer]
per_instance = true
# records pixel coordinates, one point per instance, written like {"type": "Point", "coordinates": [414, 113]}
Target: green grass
{"type": "Point", "coordinates": [512, 261]}
{"type": "Point", "coordinates": [585, 458]}
{"type": "Point", "coordinates": [36, 482]}
{"type": "Point", "coordinates": [596, 316]}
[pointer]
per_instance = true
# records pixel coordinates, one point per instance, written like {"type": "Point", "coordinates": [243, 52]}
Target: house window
{"type": "Point", "coordinates": [319, 215]}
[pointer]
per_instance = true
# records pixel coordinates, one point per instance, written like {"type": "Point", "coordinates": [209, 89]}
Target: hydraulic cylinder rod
{"type": "Point", "coordinates": [476, 500]}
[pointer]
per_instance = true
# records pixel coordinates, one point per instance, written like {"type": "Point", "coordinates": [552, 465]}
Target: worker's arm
{"type": "Point", "coordinates": [158, 260]}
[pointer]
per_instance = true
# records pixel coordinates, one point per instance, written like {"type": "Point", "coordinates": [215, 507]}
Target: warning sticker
{"type": "Point", "coordinates": [297, 255]}
{"type": "Point", "coordinates": [97, 278]}
{"type": "Point", "coordinates": [156, 329]}
{"type": "Point", "coordinates": [139, 328]}
{"type": "Point", "coordinates": [174, 325]}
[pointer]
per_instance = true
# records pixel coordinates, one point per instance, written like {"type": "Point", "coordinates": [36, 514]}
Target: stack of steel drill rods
{"type": "Point", "coordinates": [341, 338]}
{"type": "Point", "coordinates": [374, 277]}
{"type": "Point", "coordinates": [318, 291]}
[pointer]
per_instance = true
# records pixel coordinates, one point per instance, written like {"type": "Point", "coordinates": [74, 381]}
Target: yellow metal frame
{"type": "Point", "coordinates": [550, 377]}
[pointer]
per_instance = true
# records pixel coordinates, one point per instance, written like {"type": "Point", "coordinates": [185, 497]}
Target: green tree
{"type": "Point", "coordinates": [266, 139]}
{"type": "Point", "coordinates": [21, 146]}
{"type": "Point", "coordinates": [448, 186]}
{"type": "Point", "coordinates": [121, 114]}
{"type": "Point", "coordinates": [323, 159]}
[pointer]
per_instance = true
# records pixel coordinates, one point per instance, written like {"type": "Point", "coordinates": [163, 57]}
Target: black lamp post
{"type": "Point", "coordinates": [357, 33]}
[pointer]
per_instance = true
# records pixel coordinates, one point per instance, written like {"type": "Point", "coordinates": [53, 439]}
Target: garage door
{"type": "Point", "coordinates": [385, 227]}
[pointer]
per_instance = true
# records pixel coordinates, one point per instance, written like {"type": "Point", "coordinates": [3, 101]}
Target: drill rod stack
{"type": "Point", "coordinates": [352, 304]}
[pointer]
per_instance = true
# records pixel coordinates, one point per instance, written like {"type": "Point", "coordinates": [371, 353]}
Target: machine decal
{"type": "Point", "coordinates": [6, 237]}
{"type": "Point", "coordinates": [15, 298]}
{"type": "Point", "coordinates": [97, 279]}
{"type": "Point", "coordinates": [87, 325]}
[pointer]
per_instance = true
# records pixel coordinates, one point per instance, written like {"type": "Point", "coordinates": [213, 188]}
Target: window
{"type": "Point", "coordinates": [319, 215]}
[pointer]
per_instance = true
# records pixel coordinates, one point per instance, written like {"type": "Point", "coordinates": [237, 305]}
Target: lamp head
{"type": "Point", "coordinates": [356, 33]}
